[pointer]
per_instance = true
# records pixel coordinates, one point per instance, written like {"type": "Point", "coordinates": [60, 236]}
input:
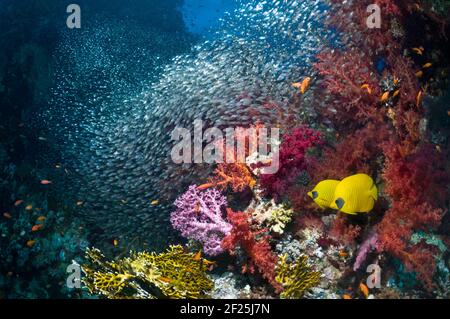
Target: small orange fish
{"type": "Point", "coordinates": [346, 296]}
{"type": "Point", "coordinates": [427, 65]}
{"type": "Point", "coordinates": [419, 98]}
{"type": "Point", "coordinates": [364, 289]}
{"type": "Point", "coordinates": [396, 80]}
{"type": "Point", "coordinates": [31, 243]}
{"type": "Point", "coordinates": [396, 93]}
{"type": "Point", "coordinates": [37, 227]}
{"type": "Point", "coordinates": [302, 86]}
{"type": "Point", "coordinates": [205, 186]}
{"type": "Point", "coordinates": [7, 215]}
{"type": "Point", "coordinates": [419, 50]}
{"type": "Point", "coordinates": [384, 97]}
{"type": "Point", "coordinates": [155, 202]}
{"type": "Point", "coordinates": [29, 207]}
{"type": "Point", "coordinates": [41, 219]}
{"type": "Point", "coordinates": [343, 253]}
{"type": "Point", "coordinates": [197, 209]}
{"type": "Point", "coordinates": [305, 84]}
{"type": "Point", "coordinates": [198, 256]}
{"type": "Point", "coordinates": [367, 87]}
{"type": "Point", "coordinates": [165, 279]}
{"type": "Point", "coordinates": [419, 74]}
{"type": "Point", "coordinates": [18, 202]}
{"type": "Point", "coordinates": [45, 182]}
{"type": "Point", "coordinates": [115, 242]}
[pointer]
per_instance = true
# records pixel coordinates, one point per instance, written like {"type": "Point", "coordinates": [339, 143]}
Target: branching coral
{"type": "Point", "coordinates": [295, 278]}
{"type": "Point", "coordinates": [199, 216]}
{"type": "Point", "coordinates": [172, 274]}
{"type": "Point", "coordinates": [258, 250]}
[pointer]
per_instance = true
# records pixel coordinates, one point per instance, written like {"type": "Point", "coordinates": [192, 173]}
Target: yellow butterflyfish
{"type": "Point", "coordinates": [355, 194]}
{"type": "Point", "coordinates": [323, 193]}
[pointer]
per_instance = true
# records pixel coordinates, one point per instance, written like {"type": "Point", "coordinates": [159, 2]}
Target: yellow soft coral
{"type": "Point", "coordinates": [172, 274]}
{"type": "Point", "coordinates": [295, 278]}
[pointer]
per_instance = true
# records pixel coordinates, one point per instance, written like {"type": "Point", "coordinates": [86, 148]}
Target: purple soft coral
{"type": "Point", "coordinates": [369, 244]}
{"type": "Point", "coordinates": [199, 216]}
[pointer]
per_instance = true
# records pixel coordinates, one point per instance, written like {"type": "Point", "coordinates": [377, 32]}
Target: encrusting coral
{"type": "Point", "coordinates": [295, 278]}
{"type": "Point", "coordinates": [173, 274]}
{"type": "Point", "coordinates": [270, 214]}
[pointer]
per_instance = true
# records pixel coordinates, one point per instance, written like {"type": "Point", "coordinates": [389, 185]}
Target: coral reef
{"type": "Point", "coordinates": [295, 278]}
{"type": "Point", "coordinates": [143, 275]}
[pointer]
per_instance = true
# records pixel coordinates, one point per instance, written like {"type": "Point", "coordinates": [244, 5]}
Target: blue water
{"type": "Point", "coordinates": [202, 17]}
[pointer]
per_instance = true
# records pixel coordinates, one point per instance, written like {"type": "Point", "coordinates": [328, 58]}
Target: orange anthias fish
{"type": "Point", "coordinates": [37, 227]}
{"type": "Point", "coordinates": [396, 93]}
{"type": "Point", "coordinates": [165, 279]}
{"type": "Point", "coordinates": [427, 65]}
{"type": "Point", "coordinates": [367, 88]}
{"type": "Point", "coordinates": [303, 86]}
{"type": "Point", "coordinates": [346, 296]}
{"type": "Point", "coordinates": [45, 182]}
{"type": "Point", "coordinates": [18, 202]}
{"type": "Point", "coordinates": [384, 97]}
{"type": "Point", "coordinates": [29, 207]}
{"type": "Point", "coordinates": [7, 215]}
{"type": "Point", "coordinates": [364, 289]}
{"type": "Point", "coordinates": [419, 98]}
{"type": "Point", "coordinates": [419, 74]}
{"type": "Point", "coordinates": [419, 50]}
{"type": "Point", "coordinates": [205, 186]}
{"type": "Point", "coordinates": [155, 202]}
{"type": "Point", "coordinates": [198, 256]}
{"type": "Point", "coordinates": [41, 218]}
{"type": "Point", "coordinates": [31, 243]}
{"type": "Point", "coordinates": [343, 253]}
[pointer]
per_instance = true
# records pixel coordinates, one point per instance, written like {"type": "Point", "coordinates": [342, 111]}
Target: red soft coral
{"type": "Point", "coordinates": [292, 160]}
{"type": "Point", "coordinates": [258, 250]}
{"type": "Point", "coordinates": [416, 186]}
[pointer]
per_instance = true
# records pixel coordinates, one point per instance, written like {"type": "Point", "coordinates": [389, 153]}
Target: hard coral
{"type": "Point", "coordinates": [199, 216]}
{"type": "Point", "coordinates": [270, 214]}
{"type": "Point", "coordinates": [295, 278]}
{"type": "Point", "coordinates": [258, 250]}
{"type": "Point", "coordinates": [172, 274]}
